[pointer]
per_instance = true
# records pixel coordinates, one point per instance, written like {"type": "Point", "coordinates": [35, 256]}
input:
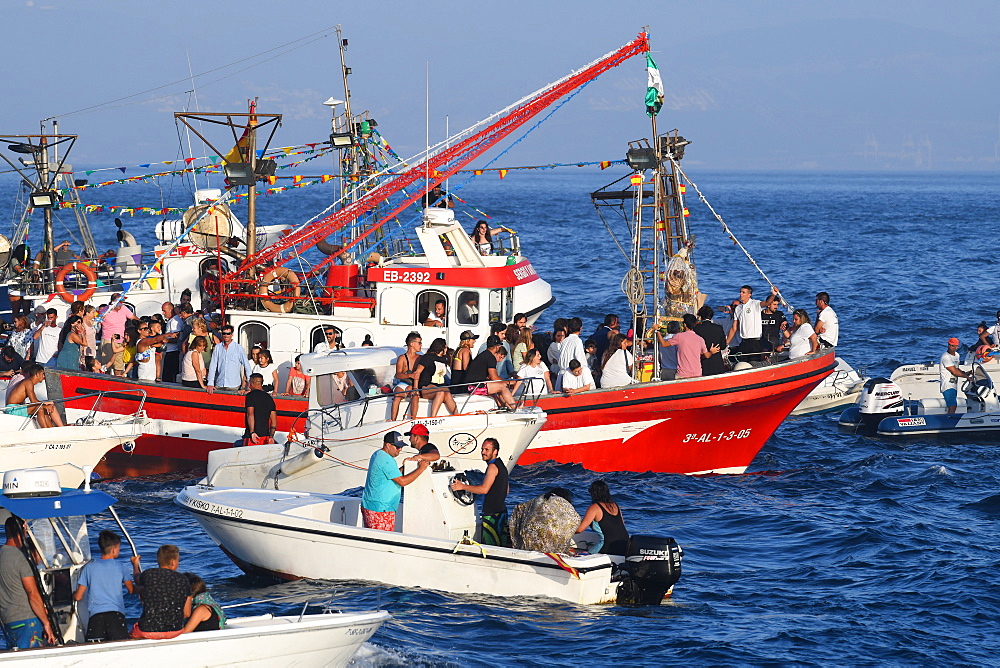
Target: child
{"type": "Point", "coordinates": [104, 578]}
{"type": "Point", "coordinates": [297, 384]}
{"type": "Point", "coordinates": [593, 360]}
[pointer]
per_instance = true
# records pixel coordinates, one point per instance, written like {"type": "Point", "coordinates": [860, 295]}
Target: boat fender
{"type": "Point", "coordinates": [301, 461]}
{"type": "Point", "coordinates": [81, 268]}
{"type": "Point", "coordinates": [280, 275]}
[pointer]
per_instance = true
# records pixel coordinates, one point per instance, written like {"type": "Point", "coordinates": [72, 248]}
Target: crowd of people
{"type": "Point", "coordinates": [173, 602]}
{"type": "Point", "coordinates": [177, 345]}
{"type": "Point", "coordinates": [515, 359]}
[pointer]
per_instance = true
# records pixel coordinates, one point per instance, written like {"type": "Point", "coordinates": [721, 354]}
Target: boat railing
{"type": "Point", "coordinates": [91, 417]}
{"type": "Point", "coordinates": [370, 408]}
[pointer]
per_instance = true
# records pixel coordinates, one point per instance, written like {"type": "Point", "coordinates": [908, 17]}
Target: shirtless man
{"type": "Point", "coordinates": [406, 377]}
{"type": "Point", "coordinates": [45, 412]}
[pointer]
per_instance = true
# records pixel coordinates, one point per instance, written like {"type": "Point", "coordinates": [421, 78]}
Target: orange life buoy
{"type": "Point", "coordinates": [281, 276]}
{"type": "Point", "coordinates": [81, 268]}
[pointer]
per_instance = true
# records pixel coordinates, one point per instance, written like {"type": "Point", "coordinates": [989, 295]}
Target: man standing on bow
{"type": "Point", "coordinates": [827, 324]}
{"type": "Point", "coordinates": [746, 320]}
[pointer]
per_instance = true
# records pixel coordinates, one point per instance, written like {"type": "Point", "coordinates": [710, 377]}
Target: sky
{"type": "Point", "coordinates": [755, 85]}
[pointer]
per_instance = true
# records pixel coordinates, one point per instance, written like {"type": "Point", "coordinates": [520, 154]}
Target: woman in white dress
{"type": "Point", "coordinates": [618, 361]}
{"type": "Point", "coordinates": [533, 367]}
{"type": "Point", "coordinates": [801, 337]}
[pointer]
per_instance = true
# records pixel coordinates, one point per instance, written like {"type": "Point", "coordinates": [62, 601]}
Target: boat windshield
{"type": "Point", "coordinates": [61, 541]}
{"type": "Point", "coordinates": [359, 383]}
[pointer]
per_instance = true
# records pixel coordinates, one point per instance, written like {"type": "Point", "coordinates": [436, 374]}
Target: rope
{"type": "Point", "coordinates": [725, 227]}
{"type": "Point", "coordinates": [633, 287]}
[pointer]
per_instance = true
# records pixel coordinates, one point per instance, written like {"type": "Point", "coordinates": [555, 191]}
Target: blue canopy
{"type": "Point", "coordinates": [71, 502]}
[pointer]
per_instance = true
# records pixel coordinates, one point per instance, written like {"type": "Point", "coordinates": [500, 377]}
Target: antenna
{"type": "Point", "coordinates": [427, 131]}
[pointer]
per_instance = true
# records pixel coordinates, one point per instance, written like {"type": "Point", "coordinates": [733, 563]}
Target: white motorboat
{"type": "Point", "coordinates": [339, 438]}
{"type": "Point", "coordinates": [74, 450]}
{"type": "Point", "coordinates": [294, 535]}
{"type": "Point", "coordinates": [885, 410]}
{"type": "Point", "coordinates": [837, 390]}
{"type": "Point", "coordinates": [57, 526]}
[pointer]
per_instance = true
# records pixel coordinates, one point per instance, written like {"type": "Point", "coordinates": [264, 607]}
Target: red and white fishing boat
{"type": "Point", "coordinates": [381, 278]}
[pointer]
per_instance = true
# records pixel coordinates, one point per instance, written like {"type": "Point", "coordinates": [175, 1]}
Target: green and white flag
{"type": "Point", "coordinates": [654, 90]}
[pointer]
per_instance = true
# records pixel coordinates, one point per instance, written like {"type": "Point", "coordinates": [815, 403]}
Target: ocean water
{"type": "Point", "coordinates": [835, 549]}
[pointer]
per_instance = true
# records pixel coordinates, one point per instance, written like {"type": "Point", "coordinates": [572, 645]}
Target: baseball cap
{"type": "Point", "coordinates": [953, 341]}
{"type": "Point", "coordinates": [393, 437]}
{"type": "Point", "coordinates": [418, 430]}
{"type": "Point", "coordinates": [493, 340]}
{"type": "Point", "coordinates": [467, 335]}
{"type": "Point", "coordinates": [39, 310]}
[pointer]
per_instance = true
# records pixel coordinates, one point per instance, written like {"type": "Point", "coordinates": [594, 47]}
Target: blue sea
{"type": "Point", "coordinates": [835, 550]}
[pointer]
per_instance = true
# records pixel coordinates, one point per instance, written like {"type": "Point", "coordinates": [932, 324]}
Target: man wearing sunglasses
{"type": "Point", "coordinates": [230, 365]}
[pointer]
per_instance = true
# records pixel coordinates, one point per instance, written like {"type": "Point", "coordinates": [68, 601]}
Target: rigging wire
{"type": "Point", "coordinates": [725, 227]}
{"type": "Point", "coordinates": [312, 37]}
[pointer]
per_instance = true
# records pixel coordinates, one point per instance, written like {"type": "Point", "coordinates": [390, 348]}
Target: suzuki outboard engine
{"type": "Point", "coordinates": [652, 566]}
{"type": "Point", "coordinates": [880, 398]}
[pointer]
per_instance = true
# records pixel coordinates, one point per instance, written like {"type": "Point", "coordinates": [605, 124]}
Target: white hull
{"type": "Point", "coordinates": [266, 641]}
{"type": "Point", "coordinates": [458, 438]}
{"type": "Point", "coordinates": [61, 448]}
{"type": "Point", "coordinates": [839, 389]}
{"type": "Point", "coordinates": [297, 535]}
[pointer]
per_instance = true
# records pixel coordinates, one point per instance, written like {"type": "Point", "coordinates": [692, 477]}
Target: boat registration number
{"type": "Point", "coordinates": [407, 276]}
{"type": "Point", "coordinates": [715, 437]}
{"type": "Point", "coordinates": [213, 508]}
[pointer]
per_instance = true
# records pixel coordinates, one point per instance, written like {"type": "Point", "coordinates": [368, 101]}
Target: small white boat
{"type": "Point", "coordinates": [308, 640]}
{"type": "Point", "coordinates": [332, 455]}
{"type": "Point", "coordinates": [56, 524]}
{"type": "Point", "coordinates": [294, 535]}
{"type": "Point", "coordinates": [885, 410]}
{"type": "Point", "coordinates": [837, 390]}
{"type": "Point", "coordinates": [74, 450]}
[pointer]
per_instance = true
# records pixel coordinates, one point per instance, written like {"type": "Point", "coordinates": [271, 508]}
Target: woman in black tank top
{"type": "Point", "coordinates": [605, 517]}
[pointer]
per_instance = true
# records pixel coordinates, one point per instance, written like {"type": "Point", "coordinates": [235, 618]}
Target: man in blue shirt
{"type": "Point", "coordinates": [103, 578]}
{"type": "Point", "coordinates": [384, 484]}
{"type": "Point", "coordinates": [229, 361]}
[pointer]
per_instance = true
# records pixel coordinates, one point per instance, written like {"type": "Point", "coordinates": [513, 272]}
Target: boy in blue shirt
{"type": "Point", "coordinates": [104, 578]}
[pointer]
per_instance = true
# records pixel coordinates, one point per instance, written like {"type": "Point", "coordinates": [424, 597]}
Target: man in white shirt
{"type": "Point", "coordinates": [571, 347]}
{"type": "Point", "coordinates": [994, 331]}
{"type": "Point", "coordinates": [950, 373]}
{"type": "Point", "coordinates": [47, 337]}
{"type": "Point", "coordinates": [827, 324]}
{"type": "Point", "coordinates": [746, 320]}
{"type": "Point", "coordinates": [330, 342]}
{"type": "Point", "coordinates": [172, 354]}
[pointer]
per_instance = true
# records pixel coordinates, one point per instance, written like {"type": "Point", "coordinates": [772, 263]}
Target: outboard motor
{"type": "Point", "coordinates": [652, 566]}
{"type": "Point", "coordinates": [880, 398]}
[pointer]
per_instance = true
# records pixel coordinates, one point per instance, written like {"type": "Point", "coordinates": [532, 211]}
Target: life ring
{"type": "Point", "coordinates": [82, 268]}
{"type": "Point", "coordinates": [282, 276]}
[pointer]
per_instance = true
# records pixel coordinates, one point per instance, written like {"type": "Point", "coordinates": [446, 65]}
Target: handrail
{"type": "Point", "coordinates": [89, 418]}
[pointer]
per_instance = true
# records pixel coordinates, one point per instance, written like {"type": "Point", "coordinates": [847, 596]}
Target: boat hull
{"type": "Point", "coordinates": [292, 536]}
{"type": "Point", "coordinates": [316, 640]}
{"type": "Point", "coordinates": [66, 449]}
{"type": "Point", "coordinates": [713, 424]}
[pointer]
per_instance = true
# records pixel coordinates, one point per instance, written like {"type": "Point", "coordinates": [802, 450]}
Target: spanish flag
{"type": "Point", "coordinates": [503, 173]}
{"type": "Point", "coordinates": [236, 155]}
{"type": "Point", "coordinates": [636, 179]}
{"type": "Point", "coordinates": [605, 164]}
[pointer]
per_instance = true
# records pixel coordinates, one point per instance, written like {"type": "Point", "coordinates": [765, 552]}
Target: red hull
{"type": "Point", "coordinates": [701, 425]}
{"type": "Point", "coordinates": [177, 449]}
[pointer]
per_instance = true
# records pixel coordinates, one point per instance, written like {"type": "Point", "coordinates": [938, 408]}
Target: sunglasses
{"type": "Point", "coordinates": [227, 333]}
